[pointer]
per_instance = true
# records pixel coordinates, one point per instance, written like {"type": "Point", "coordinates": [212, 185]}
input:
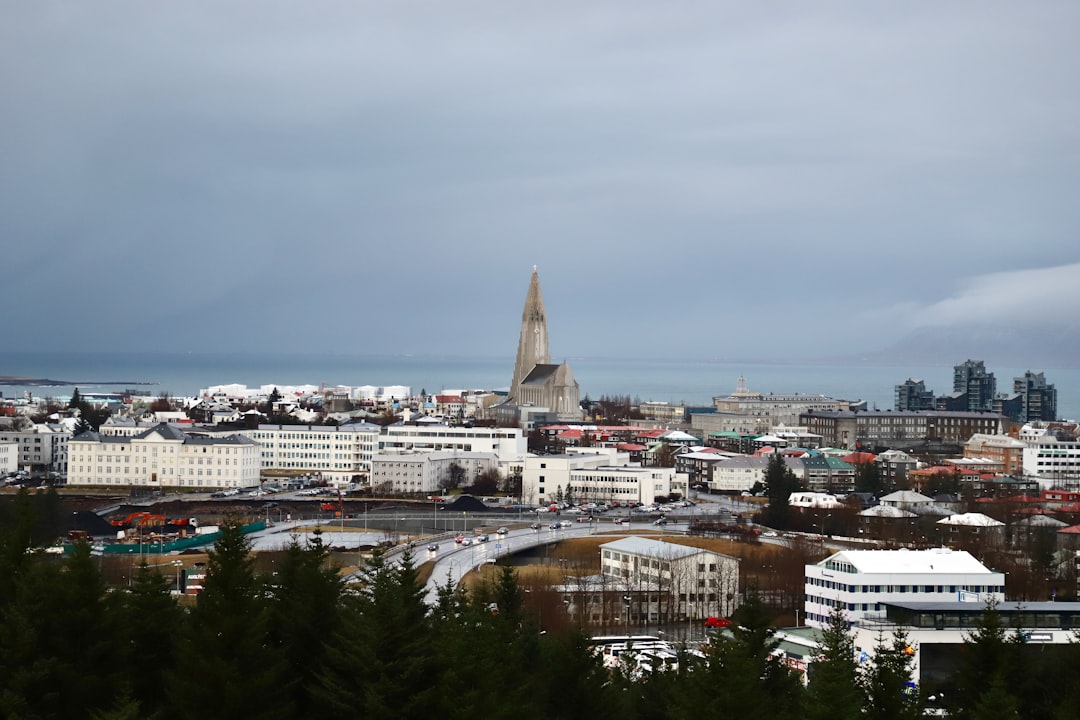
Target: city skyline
{"type": "Point", "coordinates": [694, 181]}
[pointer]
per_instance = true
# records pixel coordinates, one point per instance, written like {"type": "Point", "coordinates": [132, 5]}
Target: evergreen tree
{"type": "Point", "coordinates": [306, 593]}
{"type": "Point", "coordinates": [380, 665]}
{"type": "Point", "coordinates": [834, 692]}
{"type": "Point", "coordinates": [151, 622]}
{"type": "Point", "coordinates": [868, 478]}
{"type": "Point", "coordinates": [59, 654]}
{"type": "Point", "coordinates": [890, 690]}
{"type": "Point", "coordinates": [741, 676]}
{"type": "Point", "coordinates": [780, 482]}
{"type": "Point", "coordinates": [228, 655]}
{"type": "Point", "coordinates": [988, 662]}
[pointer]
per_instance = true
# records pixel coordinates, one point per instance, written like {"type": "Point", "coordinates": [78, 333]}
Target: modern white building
{"type": "Point", "coordinates": [599, 475]}
{"type": "Point", "coordinates": [9, 456]}
{"type": "Point", "coordinates": [680, 582]}
{"type": "Point", "coordinates": [1054, 462]}
{"type": "Point", "coordinates": [339, 453]}
{"type": "Point", "coordinates": [860, 581]}
{"type": "Point", "coordinates": [428, 472]}
{"type": "Point", "coordinates": [509, 444]}
{"type": "Point", "coordinates": [163, 457]}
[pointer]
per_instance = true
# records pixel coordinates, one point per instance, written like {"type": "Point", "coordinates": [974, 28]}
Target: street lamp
{"type": "Point", "coordinates": [178, 564]}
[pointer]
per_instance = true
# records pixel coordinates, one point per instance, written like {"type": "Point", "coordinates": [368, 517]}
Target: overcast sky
{"type": "Point", "coordinates": [693, 179]}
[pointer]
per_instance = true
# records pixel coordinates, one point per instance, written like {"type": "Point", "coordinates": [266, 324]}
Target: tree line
{"type": "Point", "coordinates": [301, 643]}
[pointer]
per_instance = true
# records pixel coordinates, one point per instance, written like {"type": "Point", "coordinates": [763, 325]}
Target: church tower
{"type": "Point", "coordinates": [533, 341]}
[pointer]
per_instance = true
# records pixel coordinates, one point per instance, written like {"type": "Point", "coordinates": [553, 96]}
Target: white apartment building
{"type": "Point", "coordinates": [41, 447]}
{"type": "Point", "coordinates": [427, 472]}
{"type": "Point", "coordinates": [9, 456]}
{"type": "Point", "coordinates": [666, 581]}
{"type": "Point", "coordinates": [164, 457]}
{"type": "Point", "coordinates": [739, 473]}
{"type": "Point", "coordinates": [860, 581]}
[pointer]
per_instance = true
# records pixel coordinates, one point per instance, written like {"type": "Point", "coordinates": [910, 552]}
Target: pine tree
{"type": "Point", "coordinates": [227, 654]}
{"type": "Point", "coordinates": [890, 689]}
{"type": "Point", "coordinates": [741, 675]}
{"type": "Point", "coordinates": [151, 622]}
{"type": "Point", "coordinates": [834, 692]}
{"type": "Point", "coordinates": [380, 666]}
{"type": "Point", "coordinates": [780, 482]}
{"type": "Point", "coordinates": [306, 593]}
{"type": "Point", "coordinates": [989, 658]}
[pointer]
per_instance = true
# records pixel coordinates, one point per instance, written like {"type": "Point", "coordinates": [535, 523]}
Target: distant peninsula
{"type": "Point", "coordinates": [46, 382]}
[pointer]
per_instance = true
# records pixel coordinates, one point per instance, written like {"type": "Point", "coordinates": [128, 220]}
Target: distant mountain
{"type": "Point", "coordinates": [1036, 349]}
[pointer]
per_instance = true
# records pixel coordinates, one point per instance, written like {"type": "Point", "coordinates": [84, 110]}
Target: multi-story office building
{"type": "Point", "coordinates": [428, 472]}
{"type": "Point", "coordinates": [599, 475]}
{"type": "Point", "coordinates": [163, 457]}
{"type": "Point", "coordinates": [339, 453]}
{"type": "Point", "coordinates": [860, 582]}
{"type": "Point", "coordinates": [1054, 462]}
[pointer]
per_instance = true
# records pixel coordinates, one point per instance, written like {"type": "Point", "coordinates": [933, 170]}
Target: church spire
{"type": "Point", "coordinates": [533, 341]}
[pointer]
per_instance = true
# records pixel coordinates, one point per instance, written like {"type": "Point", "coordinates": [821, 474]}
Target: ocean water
{"type": "Point", "coordinates": [693, 382]}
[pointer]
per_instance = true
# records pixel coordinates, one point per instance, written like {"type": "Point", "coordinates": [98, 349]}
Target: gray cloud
{"type": "Point", "coordinates": [689, 169]}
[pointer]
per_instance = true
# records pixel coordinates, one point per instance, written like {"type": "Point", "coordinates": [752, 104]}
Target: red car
{"type": "Point", "coordinates": [459, 538]}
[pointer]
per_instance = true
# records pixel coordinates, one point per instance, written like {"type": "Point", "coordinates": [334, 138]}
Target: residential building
{"type": "Point", "coordinates": [861, 582]}
{"type": "Point", "coordinates": [979, 386]}
{"type": "Point", "coordinates": [895, 466]}
{"type": "Point", "coordinates": [828, 474]}
{"type": "Point", "coordinates": [1005, 450]}
{"type": "Point", "coordinates": [913, 395]}
{"type": "Point", "coordinates": [9, 456]}
{"type": "Point", "coordinates": [678, 582]}
{"type": "Point", "coordinates": [163, 457]}
{"type": "Point", "coordinates": [42, 447]}
{"type": "Point", "coordinates": [1039, 399]}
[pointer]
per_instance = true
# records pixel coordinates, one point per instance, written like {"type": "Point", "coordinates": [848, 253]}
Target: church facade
{"type": "Point", "coordinates": [538, 383]}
